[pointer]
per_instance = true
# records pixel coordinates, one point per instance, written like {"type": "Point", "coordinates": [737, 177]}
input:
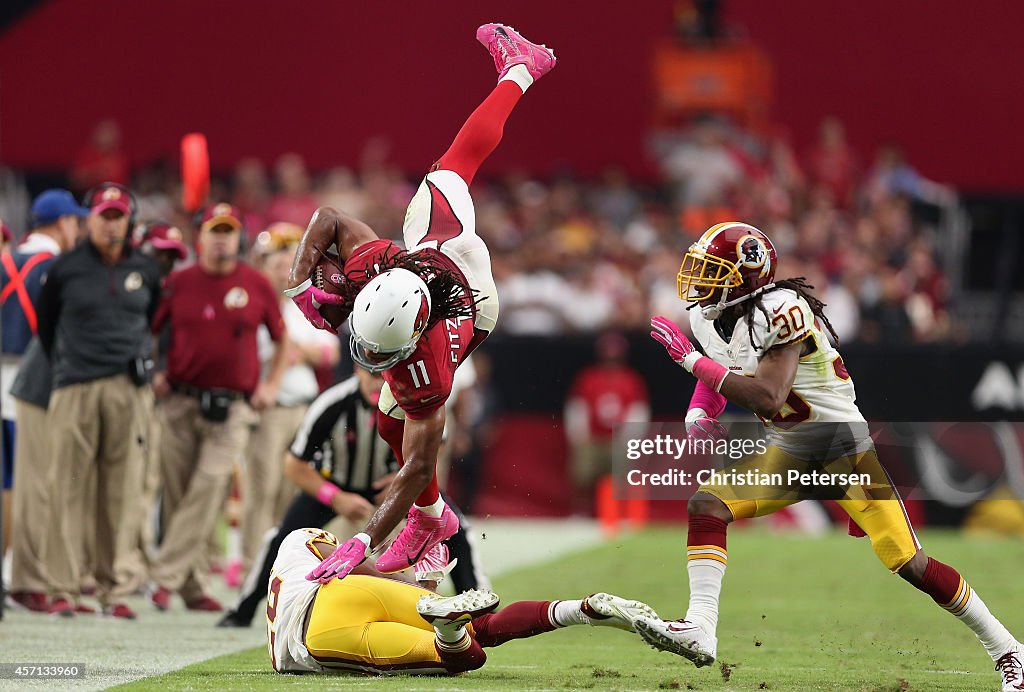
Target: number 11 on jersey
{"type": "Point", "coordinates": [415, 378]}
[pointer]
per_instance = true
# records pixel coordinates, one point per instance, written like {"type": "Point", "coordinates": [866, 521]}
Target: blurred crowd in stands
{"type": "Point", "coordinates": [581, 255]}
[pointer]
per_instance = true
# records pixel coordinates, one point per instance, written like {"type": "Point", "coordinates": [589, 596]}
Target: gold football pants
{"type": "Point", "coordinates": [371, 624]}
{"type": "Point", "coordinates": [876, 508]}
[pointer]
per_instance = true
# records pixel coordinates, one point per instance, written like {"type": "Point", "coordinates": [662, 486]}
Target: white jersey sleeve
{"type": "Point", "coordinates": [289, 598]}
{"type": "Point", "coordinates": [789, 319]}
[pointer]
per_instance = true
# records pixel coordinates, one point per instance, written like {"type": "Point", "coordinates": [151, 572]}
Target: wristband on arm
{"type": "Point", "coordinates": [327, 492]}
{"type": "Point", "coordinates": [709, 372]}
{"type": "Point", "coordinates": [708, 400]}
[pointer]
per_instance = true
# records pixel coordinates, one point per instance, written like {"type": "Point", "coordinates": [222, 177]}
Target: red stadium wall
{"type": "Point", "coordinates": [322, 78]}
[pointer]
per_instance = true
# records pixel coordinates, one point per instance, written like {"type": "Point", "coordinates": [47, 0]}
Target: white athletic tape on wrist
{"type": "Point", "coordinates": [693, 415]}
{"type": "Point", "coordinates": [690, 359]}
{"type": "Point", "coordinates": [292, 292]}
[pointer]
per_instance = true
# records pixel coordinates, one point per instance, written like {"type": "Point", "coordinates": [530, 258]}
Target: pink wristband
{"type": "Point", "coordinates": [710, 373]}
{"type": "Point", "coordinates": [707, 399]}
{"type": "Point", "coordinates": [327, 492]}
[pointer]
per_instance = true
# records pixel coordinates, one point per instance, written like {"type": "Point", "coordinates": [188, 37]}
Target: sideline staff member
{"type": "Point", "coordinates": [212, 385]}
{"type": "Point", "coordinates": [94, 314]}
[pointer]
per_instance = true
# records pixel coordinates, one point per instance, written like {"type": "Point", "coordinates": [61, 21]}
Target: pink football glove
{"type": "Point", "coordinates": [345, 558]}
{"type": "Point", "coordinates": [668, 334]}
{"type": "Point", "coordinates": [706, 429]}
{"type": "Point", "coordinates": [309, 298]}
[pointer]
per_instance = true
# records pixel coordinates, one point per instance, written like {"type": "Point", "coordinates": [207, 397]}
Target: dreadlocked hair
{"type": "Point", "coordinates": [450, 297]}
{"type": "Point", "coordinates": [799, 286]}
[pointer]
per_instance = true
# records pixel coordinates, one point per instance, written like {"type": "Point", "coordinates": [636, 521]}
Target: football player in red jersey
{"type": "Point", "coordinates": [766, 349]}
{"type": "Point", "coordinates": [415, 314]}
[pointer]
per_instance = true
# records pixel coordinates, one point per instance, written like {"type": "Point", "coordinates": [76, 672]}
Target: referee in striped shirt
{"type": "Point", "coordinates": [342, 467]}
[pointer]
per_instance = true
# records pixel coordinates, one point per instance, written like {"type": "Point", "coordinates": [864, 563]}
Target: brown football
{"type": "Point", "coordinates": [328, 276]}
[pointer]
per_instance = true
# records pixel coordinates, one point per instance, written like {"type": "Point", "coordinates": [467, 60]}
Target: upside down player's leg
{"type": "Point", "coordinates": [441, 214]}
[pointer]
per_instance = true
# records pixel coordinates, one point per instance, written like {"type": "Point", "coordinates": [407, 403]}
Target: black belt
{"type": "Point", "coordinates": [196, 392]}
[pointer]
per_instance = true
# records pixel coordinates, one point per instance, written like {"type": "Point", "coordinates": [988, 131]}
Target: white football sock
{"type": "Point", "coordinates": [433, 510]}
{"type": "Point", "coordinates": [705, 587]}
{"type": "Point", "coordinates": [451, 632]}
{"type": "Point", "coordinates": [991, 633]}
{"type": "Point", "coordinates": [565, 613]}
{"type": "Point", "coordinates": [520, 75]}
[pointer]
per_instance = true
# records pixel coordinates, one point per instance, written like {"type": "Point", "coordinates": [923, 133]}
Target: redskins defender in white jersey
{"type": "Point", "coordinates": [290, 597]}
{"type": "Point", "coordinates": [822, 390]}
{"type": "Point", "coordinates": [767, 350]}
{"type": "Point", "coordinates": [376, 623]}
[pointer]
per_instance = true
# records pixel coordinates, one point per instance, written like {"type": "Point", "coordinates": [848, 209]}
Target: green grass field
{"type": "Point", "coordinates": [797, 613]}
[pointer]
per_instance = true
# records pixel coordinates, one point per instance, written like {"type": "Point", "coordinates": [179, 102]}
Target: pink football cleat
{"type": "Point", "coordinates": [509, 48]}
{"type": "Point", "coordinates": [421, 533]}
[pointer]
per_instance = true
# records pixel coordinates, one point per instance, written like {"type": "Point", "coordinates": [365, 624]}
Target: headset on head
{"type": "Point", "coordinates": [133, 207]}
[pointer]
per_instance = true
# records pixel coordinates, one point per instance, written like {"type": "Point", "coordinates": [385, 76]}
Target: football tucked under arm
{"type": "Point", "coordinates": [329, 277]}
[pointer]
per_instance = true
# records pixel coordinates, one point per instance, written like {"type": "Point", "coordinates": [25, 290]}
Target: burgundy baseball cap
{"type": "Point", "coordinates": [164, 236]}
{"type": "Point", "coordinates": [218, 214]}
{"type": "Point", "coordinates": [111, 197]}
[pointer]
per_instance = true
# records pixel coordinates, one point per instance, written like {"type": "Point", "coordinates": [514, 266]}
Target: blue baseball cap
{"type": "Point", "coordinates": [53, 204]}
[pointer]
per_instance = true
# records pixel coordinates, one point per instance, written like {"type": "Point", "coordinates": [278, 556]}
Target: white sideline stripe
{"type": "Point", "coordinates": [116, 652]}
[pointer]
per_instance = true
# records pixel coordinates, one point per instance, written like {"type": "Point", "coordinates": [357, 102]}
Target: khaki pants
{"type": "Point", "coordinates": [136, 564]}
{"type": "Point", "coordinates": [98, 428]}
{"type": "Point", "coordinates": [266, 493]}
{"type": "Point", "coordinates": [196, 458]}
{"type": "Point", "coordinates": [30, 504]}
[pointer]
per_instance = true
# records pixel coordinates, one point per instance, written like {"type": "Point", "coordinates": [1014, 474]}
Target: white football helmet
{"type": "Point", "coordinates": [388, 318]}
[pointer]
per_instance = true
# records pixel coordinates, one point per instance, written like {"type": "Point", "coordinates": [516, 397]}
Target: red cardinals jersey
{"type": "Point", "coordinates": [422, 382]}
{"type": "Point", "coordinates": [213, 322]}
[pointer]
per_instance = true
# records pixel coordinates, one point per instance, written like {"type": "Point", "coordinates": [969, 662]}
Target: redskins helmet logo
{"type": "Point", "coordinates": [751, 251]}
{"type": "Point", "coordinates": [222, 210]}
{"type": "Point", "coordinates": [111, 193]}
